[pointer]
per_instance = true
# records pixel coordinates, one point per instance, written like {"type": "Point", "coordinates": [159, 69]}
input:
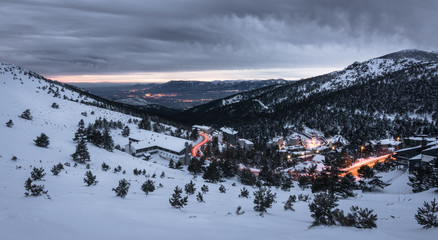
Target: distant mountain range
{"type": "Point", "coordinates": [175, 94]}
{"type": "Point", "coordinates": [392, 95]}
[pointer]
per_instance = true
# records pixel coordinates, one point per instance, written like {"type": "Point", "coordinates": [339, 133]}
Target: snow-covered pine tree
{"type": "Point", "coordinates": [427, 216]}
{"type": "Point", "coordinates": [90, 179]}
{"type": "Point", "coordinates": [80, 133]}
{"type": "Point", "coordinates": [33, 189]}
{"type": "Point", "coordinates": [37, 174]}
{"type": "Point", "coordinates": [177, 201]}
{"type": "Point", "coordinates": [42, 141]}
{"type": "Point", "coordinates": [212, 174]}
{"type": "Point", "coordinates": [190, 188]}
{"type": "Point", "coordinates": [148, 186]}
{"type": "Point", "coordinates": [81, 154]}
{"type": "Point", "coordinates": [122, 189]}
{"type": "Point", "coordinates": [126, 131]}
{"type": "Point", "coordinates": [263, 199]}
{"type": "Point", "coordinates": [322, 207]}
{"type": "Point", "coordinates": [107, 140]}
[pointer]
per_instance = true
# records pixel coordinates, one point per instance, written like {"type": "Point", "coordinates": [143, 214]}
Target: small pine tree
{"type": "Point", "coordinates": [322, 207]}
{"type": "Point", "coordinates": [122, 189]}
{"type": "Point", "coordinates": [105, 167]}
{"type": "Point", "coordinates": [222, 189]}
{"type": "Point", "coordinates": [80, 133]}
{"type": "Point", "coordinates": [204, 189]}
{"type": "Point", "coordinates": [190, 188]}
{"type": "Point", "coordinates": [148, 186]}
{"type": "Point", "coordinates": [177, 201]}
{"type": "Point", "coordinates": [200, 197]}
{"type": "Point", "coordinates": [9, 123]}
{"type": "Point", "coordinates": [126, 131]}
{"type": "Point", "coordinates": [56, 169]}
{"type": "Point", "coordinates": [26, 115]}
{"type": "Point", "coordinates": [427, 216]}
{"type": "Point", "coordinates": [90, 179]}
{"type": "Point", "coordinates": [263, 199]}
{"type": "Point", "coordinates": [81, 155]}
{"type": "Point", "coordinates": [244, 193]}
{"type": "Point", "coordinates": [288, 205]}
{"type": "Point", "coordinates": [42, 141]}
{"type": "Point", "coordinates": [37, 174]}
{"type": "Point", "coordinates": [33, 189]}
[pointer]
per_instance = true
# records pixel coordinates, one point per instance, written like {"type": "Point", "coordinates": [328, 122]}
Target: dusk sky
{"type": "Point", "coordinates": [140, 40]}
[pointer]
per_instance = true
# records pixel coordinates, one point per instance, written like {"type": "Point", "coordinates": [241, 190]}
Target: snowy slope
{"type": "Point", "coordinates": [79, 212]}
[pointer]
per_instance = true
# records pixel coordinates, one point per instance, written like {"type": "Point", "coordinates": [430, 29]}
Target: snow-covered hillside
{"type": "Point", "coordinates": [76, 211]}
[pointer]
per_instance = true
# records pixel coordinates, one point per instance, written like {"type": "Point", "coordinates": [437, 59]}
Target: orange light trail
{"type": "Point", "coordinates": [197, 146]}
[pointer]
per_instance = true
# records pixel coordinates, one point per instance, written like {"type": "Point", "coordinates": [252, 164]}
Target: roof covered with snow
{"type": "Point", "coordinates": [150, 139]}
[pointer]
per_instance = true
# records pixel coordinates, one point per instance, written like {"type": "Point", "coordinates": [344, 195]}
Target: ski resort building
{"type": "Point", "coordinates": [168, 147]}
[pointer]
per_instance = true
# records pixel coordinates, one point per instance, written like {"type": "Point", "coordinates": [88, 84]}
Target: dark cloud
{"type": "Point", "coordinates": [78, 37]}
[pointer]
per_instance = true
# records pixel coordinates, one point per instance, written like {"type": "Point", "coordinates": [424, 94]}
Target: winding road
{"type": "Point", "coordinates": [197, 146]}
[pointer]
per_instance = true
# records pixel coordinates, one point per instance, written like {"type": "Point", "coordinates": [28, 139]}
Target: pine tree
{"type": "Point", "coordinates": [195, 166]}
{"type": "Point", "coordinates": [90, 179]}
{"type": "Point", "coordinates": [427, 216]}
{"type": "Point", "coordinates": [122, 189]}
{"type": "Point", "coordinates": [177, 201]}
{"type": "Point", "coordinates": [263, 199]}
{"type": "Point", "coordinates": [37, 174]}
{"type": "Point", "coordinates": [322, 207]}
{"type": "Point", "coordinates": [148, 186]}
{"type": "Point", "coordinates": [81, 155]}
{"type": "Point", "coordinates": [80, 133]}
{"type": "Point", "coordinates": [105, 167]}
{"type": "Point", "coordinates": [107, 140]}
{"type": "Point", "coordinates": [247, 177]}
{"type": "Point", "coordinates": [420, 179]}
{"type": "Point", "coordinates": [9, 123]}
{"type": "Point", "coordinates": [126, 131]}
{"type": "Point", "coordinates": [42, 141]}
{"type": "Point", "coordinates": [33, 189]}
{"type": "Point", "coordinates": [145, 124]}
{"type": "Point", "coordinates": [204, 189]}
{"type": "Point", "coordinates": [26, 115]}
{"type": "Point", "coordinates": [212, 174]}
{"type": "Point", "coordinates": [190, 188]}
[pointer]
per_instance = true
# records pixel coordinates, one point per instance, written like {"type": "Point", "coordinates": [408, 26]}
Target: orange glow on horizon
{"type": "Point", "coordinates": [205, 75]}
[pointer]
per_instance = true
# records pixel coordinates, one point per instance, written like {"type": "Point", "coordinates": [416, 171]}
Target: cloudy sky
{"type": "Point", "coordinates": [142, 40]}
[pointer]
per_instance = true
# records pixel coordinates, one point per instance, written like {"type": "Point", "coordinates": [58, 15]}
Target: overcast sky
{"type": "Point", "coordinates": [134, 40]}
